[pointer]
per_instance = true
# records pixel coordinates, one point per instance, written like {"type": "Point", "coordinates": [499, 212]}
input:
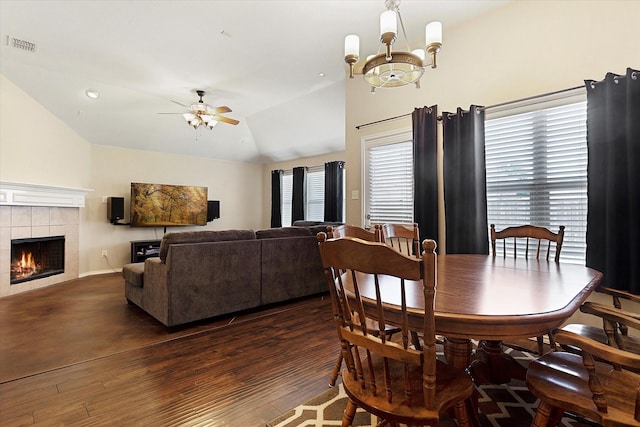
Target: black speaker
{"type": "Point", "coordinates": [115, 209]}
{"type": "Point", "coordinates": [213, 210]}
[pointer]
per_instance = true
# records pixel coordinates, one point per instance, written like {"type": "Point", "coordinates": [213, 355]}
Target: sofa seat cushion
{"type": "Point", "coordinates": [202, 237]}
{"type": "Point", "coordinates": [274, 233]}
{"type": "Point", "coordinates": [134, 273]}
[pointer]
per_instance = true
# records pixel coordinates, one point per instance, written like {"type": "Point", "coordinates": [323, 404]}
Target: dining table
{"type": "Point", "coordinates": [491, 299]}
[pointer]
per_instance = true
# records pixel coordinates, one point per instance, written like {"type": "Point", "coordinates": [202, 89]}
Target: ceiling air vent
{"type": "Point", "coordinates": [25, 45]}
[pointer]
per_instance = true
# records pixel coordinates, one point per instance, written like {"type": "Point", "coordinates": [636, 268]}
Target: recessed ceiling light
{"type": "Point", "coordinates": [320, 74]}
{"type": "Point", "coordinates": [93, 94]}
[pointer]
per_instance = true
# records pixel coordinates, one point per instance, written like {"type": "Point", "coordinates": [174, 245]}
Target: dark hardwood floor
{"type": "Point", "coordinates": [77, 354]}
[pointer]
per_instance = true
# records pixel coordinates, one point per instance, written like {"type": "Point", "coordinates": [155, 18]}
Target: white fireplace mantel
{"type": "Point", "coordinates": [19, 194]}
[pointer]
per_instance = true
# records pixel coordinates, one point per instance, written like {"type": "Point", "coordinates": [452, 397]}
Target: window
{"type": "Point", "coordinates": [314, 209]}
{"type": "Point", "coordinates": [388, 178]}
{"type": "Point", "coordinates": [287, 196]}
{"type": "Point", "coordinates": [536, 159]}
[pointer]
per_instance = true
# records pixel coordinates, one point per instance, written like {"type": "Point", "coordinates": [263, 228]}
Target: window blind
{"type": "Point", "coordinates": [389, 183]}
{"type": "Point", "coordinates": [287, 197]}
{"type": "Point", "coordinates": [537, 171]}
{"type": "Point", "coordinates": [314, 210]}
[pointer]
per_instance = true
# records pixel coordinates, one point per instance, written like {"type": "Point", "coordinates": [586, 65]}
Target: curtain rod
{"type": "Point", "coordinates": [502, 104]}
{"type": "Point", "coordinates": [384, 120]}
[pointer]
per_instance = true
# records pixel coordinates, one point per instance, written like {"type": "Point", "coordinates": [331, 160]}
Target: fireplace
{"type": "Point", "coordinates": [36, 258]}
{"type": "Point", "coordinates": [39, 211]}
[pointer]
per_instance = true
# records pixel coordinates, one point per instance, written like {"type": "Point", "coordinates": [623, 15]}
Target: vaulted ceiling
{"type": "Point", "coordinates": [277, 64]}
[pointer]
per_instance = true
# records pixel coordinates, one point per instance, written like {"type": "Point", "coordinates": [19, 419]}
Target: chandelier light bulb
{"type": "Point", "coordinates": [433, 32]}
{"type": "Point", "coordinates": [433, 35]}
{"type": "Point", "coordinates": [351, 51]}
{"type": "Point", "coordinates": [352, 45]}
{"type": "Point", "coordinates": [388, 23]}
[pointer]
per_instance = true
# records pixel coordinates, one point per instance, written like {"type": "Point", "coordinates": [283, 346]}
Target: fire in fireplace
{"type": "Point", "coordinates": [36, 258]}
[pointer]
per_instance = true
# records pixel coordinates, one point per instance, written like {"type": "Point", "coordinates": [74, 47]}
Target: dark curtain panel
{"type": "Point", "coordinates": [425, 174]}
{"type": "Point", "coordinates": [276, 198]}
{"type": "Point", "coordinates": [299, 193]}
{"type": "Point", "coordinates": [333, 191]}
{"type": "Point", "coordinates": [465, 187]}
{"type": "Point", "coordinates": [613, 179]}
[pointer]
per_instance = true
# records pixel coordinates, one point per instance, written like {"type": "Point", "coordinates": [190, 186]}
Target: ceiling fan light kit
{"type": "Point", "coordinates": [202, 114]}
{"type": "Point", "coordinates": [390, 68]}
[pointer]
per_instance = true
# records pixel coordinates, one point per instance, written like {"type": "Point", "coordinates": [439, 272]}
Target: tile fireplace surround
{"type": "Point", "coordinates": [27, 211]}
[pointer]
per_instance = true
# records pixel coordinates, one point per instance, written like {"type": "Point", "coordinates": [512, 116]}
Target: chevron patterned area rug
{"type": "Point", "coordinates": [508, 405]}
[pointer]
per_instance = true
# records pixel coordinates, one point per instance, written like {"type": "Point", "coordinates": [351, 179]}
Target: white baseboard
{"type": "Point", "coordinates": [97, 272]}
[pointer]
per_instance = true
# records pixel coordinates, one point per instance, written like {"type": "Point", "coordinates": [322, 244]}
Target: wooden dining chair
{"type": "Point", "coordinates": [616, 323]}
{"type": "Point", "coordinates": [618, 296]}
{"type": "Point", "coordinates": [404, 238]}
{"type": "Point", "coordinates": [591, 383]}
{"type": "Point", "coordinates": [528, 233]}
{"type": "Point", "coordinates": [526, 241]}
{"type": "Point", "coordinates": [346, 230]}
{"type": "Point", "coordinates": [390, 379]}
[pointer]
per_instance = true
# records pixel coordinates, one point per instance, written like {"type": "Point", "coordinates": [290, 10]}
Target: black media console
{"type": "Point", "coordinates": [143, 249]}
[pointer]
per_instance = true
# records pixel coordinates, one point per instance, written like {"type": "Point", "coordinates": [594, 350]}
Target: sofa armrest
{"type": "Point", "coordinates": [155, 293]}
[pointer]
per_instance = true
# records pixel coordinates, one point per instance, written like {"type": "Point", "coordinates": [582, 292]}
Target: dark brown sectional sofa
{"type": "Point", "coordinates": [202, 274]}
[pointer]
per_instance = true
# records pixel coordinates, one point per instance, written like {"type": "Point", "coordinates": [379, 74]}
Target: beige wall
{"type": "Point", "coordinates": [527, 48]}
{"type": "Point", "coordinates": [524, 49]}
{"type": "Point", "coordinates": [35, 146]}
{"type": "Point", "coordinates": [50, 153]}
{"type": "Point", "coordinates": [238, 187]}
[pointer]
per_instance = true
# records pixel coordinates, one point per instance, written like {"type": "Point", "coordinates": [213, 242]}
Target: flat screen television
{"type": "Point", "coordinates": [162, 205]}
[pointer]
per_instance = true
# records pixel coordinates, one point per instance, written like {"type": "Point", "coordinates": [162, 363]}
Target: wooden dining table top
{"type": "Point", "coordinates": [494, 298]}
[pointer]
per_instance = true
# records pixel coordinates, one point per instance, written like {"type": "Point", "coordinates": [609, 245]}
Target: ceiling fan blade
{"type": "Point", "coordinates": [218, 110]}
{"type": "Point", "coordinates": [179, 103]}
{"type": "Point", "coordinates": [226, 120]}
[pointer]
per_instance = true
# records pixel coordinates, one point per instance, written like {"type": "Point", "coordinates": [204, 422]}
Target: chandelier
{"type": "Point", "coordinates": [393, 68]}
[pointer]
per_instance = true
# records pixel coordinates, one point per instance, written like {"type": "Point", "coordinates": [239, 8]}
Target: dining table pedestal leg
{"type": "Point", "coordinates": [492, 365]}
{"type": "Point", "coordinates": [458, 352]}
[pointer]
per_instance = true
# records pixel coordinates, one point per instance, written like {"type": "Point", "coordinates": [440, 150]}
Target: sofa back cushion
{"type": "Point", "coordinates": [291, 268]}
{"type": "Point", "coordinates": [201, 237]}
{"type": "Point", "coordinates": [274, 233]}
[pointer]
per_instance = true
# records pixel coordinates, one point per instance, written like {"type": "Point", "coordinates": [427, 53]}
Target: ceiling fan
{"type": "Point", "coordinates": [202, 114]}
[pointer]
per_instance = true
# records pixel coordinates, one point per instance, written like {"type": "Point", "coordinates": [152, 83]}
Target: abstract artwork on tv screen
{"type": "Point", "coordinates": [161, 205]}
